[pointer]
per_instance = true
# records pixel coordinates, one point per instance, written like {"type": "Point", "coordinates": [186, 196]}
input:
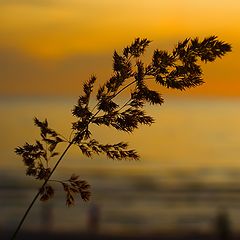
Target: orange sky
{"type": "Point", "coordinates": [51, 46]}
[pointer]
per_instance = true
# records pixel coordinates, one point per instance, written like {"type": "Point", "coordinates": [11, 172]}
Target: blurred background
{"type": "Point", "coordinates": [187, 182]}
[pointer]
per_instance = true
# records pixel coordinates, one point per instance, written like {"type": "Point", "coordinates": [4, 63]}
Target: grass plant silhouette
{"type": "Point", "coordinates": [179, 69]}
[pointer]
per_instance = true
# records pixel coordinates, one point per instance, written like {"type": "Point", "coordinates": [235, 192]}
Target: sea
{"type": "Point", "coordinates": [187, 177]}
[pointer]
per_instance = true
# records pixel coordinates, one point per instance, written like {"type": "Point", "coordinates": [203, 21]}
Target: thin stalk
{"type": "Point", "coordinates": [54, 168]}
{"type": "Point", "coordinates": [116, 94]}
{"type": "Point", "coordinates": [124, 88]}
{"type": "Point", "coordinates": [38, 193]}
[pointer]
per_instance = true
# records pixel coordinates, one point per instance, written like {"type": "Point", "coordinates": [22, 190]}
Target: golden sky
{"type": "Point", "coordinates": [52, 46]}
{"type": "Point", "coordinates": [49, 47]}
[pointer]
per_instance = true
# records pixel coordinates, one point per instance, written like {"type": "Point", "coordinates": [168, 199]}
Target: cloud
{"type": "Point", "coordinates": [21, 74]}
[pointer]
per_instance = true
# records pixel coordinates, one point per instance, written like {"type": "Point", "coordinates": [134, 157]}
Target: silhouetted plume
{"type": "Point", "coordinates": [179, 69]}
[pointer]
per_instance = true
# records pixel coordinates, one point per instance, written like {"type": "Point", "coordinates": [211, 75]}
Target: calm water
{"type": "Point", "coordinates": [189, 170]}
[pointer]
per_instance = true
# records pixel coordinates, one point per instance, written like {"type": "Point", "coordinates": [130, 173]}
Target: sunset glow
{"type": "Point", "coordinates": [160, 149]}
{"type": "Point", "coordinates": [54, 38]}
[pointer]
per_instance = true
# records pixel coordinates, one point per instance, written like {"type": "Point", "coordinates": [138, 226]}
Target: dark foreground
{"type": "Point", "coordinates": [6, 235]}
